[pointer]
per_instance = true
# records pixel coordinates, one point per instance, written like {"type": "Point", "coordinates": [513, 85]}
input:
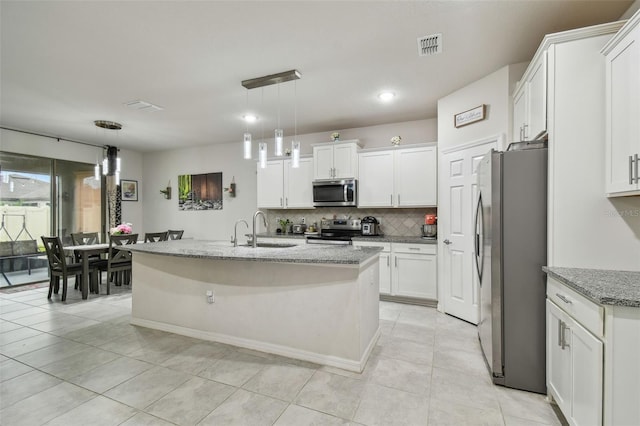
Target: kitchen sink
{"type": "Point", "coordinates": [273, 245]}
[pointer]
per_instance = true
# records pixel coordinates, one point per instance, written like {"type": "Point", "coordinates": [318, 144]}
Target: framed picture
{"type": "Point", "coordinates": [471, 116]}
{"type": "Point", "coordinates": [129, 190]}
{"type": "Point", "coordinates": [200, 192]}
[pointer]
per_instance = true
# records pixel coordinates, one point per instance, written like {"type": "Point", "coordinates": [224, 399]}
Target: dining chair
{"type": "Point", "coordinates": [58, 266]}
{"type": "Point", "coordinates": [154, 237]}
{"type": "Point", "coordinates": [175, 234]}
{"type": "Point", "coordinates": [84, 239]}
{"type": "Point", "coordinates": [118, 264]}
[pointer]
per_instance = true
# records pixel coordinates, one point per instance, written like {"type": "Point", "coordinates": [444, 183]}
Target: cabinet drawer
{"type": "Point", "coordinates": [589, 314]}
{"type": "Point", "coordinates": [386, 247]}
{"type": "Point", "coordinates": [415, 248]}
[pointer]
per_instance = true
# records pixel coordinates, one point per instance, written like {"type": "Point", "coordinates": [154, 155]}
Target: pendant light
{"type": "Point", "coordinates": [279, 133]}
{"type": "Point", "coordinates": [247, 135]}
{"type": "Point", "coordinates": [262, 146]}
{"type": "Point", "coordinates": [295, 145]}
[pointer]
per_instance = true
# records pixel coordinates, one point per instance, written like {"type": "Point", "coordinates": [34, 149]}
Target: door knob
{"type": "Point", "coordinates": [447, 242]}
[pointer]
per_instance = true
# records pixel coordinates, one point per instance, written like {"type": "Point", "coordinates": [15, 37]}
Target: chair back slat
{"type": "Point", "coordinates": [121, 256]}
{"type": "Point", "coordinates": [154, 237]}
{"type": "Point", "coordinates": [85, 238]}
{"type": "Point", "coordinates": [175, 234]}
{"type": "Point", "coordinates": [55, 253]}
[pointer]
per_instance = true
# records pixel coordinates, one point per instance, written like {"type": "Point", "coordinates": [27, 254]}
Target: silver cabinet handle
{"type": "Point", "coordinates": [521, 134]}
{"type": "Point", "coordinates": [631, 170]}
{"type": "Point", "coordinates": [563, 298]}
{"type": "Point", "coordinates": [524, 131]}
{"type": "Point", "coordinates": [388, 260]}
{"type": "Point", "coordinates": [414, 248]}
{"type": "Point", "coordinates": [559, 333]}
{"type": "Point", "coordinates": [447, 242]}
{"type": "Point", "coordinates": [564, 336]}
{"type": "Point", "coordinates": [280, 201]}
{"type": "Point", "coordinates": [637, 179]}
{"type": "Point", "coordinates": [391, 200]}
{"type": "Point", "coordinates": [286, 202]}
{"type": "Point", "coordinates": [398, 199]}
{"type": "Point", "coordinates": [396, 261]}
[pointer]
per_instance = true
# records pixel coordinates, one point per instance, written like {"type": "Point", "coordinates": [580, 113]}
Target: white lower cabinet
{"type": "Point", "coordinates": [574, 368]}
{"type": "Point", "coordinates": [406, 269]}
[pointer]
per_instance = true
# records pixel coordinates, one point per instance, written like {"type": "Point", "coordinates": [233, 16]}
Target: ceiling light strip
{"type": "Point", "coordinates": [268, 80]}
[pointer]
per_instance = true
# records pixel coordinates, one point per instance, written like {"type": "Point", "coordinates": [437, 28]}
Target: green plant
{"type": "Point", "coordinates": [283, 224]}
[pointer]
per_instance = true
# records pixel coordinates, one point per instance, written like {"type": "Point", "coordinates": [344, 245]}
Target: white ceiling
{"type": "Point", "coordinates": [65, 64]}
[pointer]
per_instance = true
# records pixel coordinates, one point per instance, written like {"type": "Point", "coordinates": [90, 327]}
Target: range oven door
{"type": "Point", "coordinates": [335, 193]}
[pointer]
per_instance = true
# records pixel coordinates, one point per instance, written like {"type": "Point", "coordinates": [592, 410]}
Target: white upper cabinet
{"type": "Point", "coordinates": [399, 177]}
{"type": "Point", "coordinates": [530, 102]}
{"type": "Point", "coordinates": [281, 186]}
{"type": "Point", "coordinates": [298, 184]}
{"type": "Point", "coordinates": [416, 175]}
{"type": "Point", "coordinates": [375, 187]}
{"type": "Point", "coordinates": [270, 185]}
{"type": "Point", "coordinates": [336, 160]}
{"type": "Point", "coordinates": [623, 111]}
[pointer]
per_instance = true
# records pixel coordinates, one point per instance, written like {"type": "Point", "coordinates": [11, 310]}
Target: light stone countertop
{"type": "Point", "coordinates": [224, 250]}
{"type": "Point", "coordinates": [619, 288]}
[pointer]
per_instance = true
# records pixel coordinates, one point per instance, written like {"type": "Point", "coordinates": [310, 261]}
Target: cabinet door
{"type": "Point", "coordinates": [415, 275]}
{"type": "Point", "coordinates": [270, 185]}
{"type": "Point", "coordinates": [586, 360]}
{"type": "Point", "coordinates": [519, 113]}
{"type": "Point", "coordinates": [345, 161]}
{"type": "Point", "coordinates": [416, 175]}
{"type": "Point", "coordinates": [375, 186]}
{"type": "Point", "coordinates": [385, 273]}
{"type": "Point", "coordinates": [558, 359]}
{"type": "Point", "coordinates": [298, 184]}
{"type": "Point", "coordinates": [323, 162]}
{"type": "Point", "coordinates": [537, 100]}
{"type": "Point", "coordinates": [623, 110]}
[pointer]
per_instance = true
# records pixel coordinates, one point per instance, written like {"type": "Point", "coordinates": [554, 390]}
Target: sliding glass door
{"type": "Point", "coordinates": [42, 196]}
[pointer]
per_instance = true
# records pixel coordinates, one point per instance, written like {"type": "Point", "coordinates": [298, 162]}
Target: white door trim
{"type": "Point", "coordinates": [495, 142]}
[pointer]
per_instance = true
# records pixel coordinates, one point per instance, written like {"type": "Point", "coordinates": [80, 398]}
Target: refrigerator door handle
{"type": "Point", "coordinates": [479, 218]}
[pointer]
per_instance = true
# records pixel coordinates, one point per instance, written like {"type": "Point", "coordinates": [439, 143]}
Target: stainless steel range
{"type": "Point", "coordinates": [336, 231]}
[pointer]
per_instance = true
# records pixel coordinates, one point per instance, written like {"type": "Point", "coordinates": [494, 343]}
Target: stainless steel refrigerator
{"type": "Point", "coordinates": [511, 249]}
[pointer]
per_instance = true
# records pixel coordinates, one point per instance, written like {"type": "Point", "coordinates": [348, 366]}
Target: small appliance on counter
{"type": "Point", "coordinates": [336, 231]}
{"type": "Point", "coordinates": [430, 227]}
{"type": "Point", "coordinates": [299, 228]}
{"type": "Point", "coordinates": [370, 226]}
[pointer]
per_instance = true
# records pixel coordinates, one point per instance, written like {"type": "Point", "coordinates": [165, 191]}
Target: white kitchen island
{"type": "Point", "coordinates": [311, 302]}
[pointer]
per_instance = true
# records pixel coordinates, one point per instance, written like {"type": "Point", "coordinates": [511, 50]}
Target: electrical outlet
{"type": "Point", "coordinates": [210, 296]}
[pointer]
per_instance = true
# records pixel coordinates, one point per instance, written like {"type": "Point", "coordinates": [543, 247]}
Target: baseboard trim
{"type": "Point", "coordinates": [332, 361]}
{"type": "Point", "coordinates": [430, 303]}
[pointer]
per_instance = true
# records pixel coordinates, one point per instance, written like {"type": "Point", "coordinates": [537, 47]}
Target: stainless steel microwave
{"type": "Point", "coordinates": [338, 193]}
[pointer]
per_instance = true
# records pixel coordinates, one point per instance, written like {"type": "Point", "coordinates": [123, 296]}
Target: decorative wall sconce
{"type": "Point", "coordinates": [167, 191]}
{"type": "Point", "coordinates": [232, 187]}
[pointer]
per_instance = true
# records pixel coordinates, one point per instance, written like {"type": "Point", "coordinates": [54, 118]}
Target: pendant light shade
{"type": "Point", "coordinates": [96, 171]}
{"type": "Point", "coordinates": [262, 154]}
{"type": "Point", "coordinates": [247, 146]}
{"type": "Point", "coordinates": [279, 137]}
{"type": "Point", "coordinates": [295, 154]}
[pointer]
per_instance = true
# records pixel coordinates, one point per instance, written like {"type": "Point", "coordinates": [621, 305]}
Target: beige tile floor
{"type": "Point", "coordinates": [81, 363]}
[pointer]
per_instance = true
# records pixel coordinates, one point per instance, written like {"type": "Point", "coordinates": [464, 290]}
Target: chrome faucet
{"type": "Point", "coordinates": [234, 240]}
{"type": "Point", "coordinates": [254, 242]}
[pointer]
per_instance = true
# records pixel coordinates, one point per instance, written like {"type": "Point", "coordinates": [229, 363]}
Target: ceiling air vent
{"type": "Point", "coordinates": [147, 106]}
{"type": "Point", "coordinates": [429, 45]}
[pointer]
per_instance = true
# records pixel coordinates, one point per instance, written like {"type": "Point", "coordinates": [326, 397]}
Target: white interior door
{"type": "Point", "coordinates": [458, 188]}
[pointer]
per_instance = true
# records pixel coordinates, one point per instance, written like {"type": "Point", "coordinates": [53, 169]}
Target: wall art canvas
{"type": "Point", "coordinates": [200, 192]}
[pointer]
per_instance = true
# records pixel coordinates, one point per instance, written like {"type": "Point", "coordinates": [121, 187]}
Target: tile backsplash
{"type": "Point", "coordinates": [396, 222]}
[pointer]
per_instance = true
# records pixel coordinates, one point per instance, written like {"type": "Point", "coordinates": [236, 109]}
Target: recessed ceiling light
{"type": "Point", "coordinates": [110, 125]}
{"type": "Point", "coordinates": [386, 96]}
{"type": "Point", "coordinates": [250, 118]}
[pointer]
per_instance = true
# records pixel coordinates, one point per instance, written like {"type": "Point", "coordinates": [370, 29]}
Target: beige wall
{"type": "Point", "coordinates": [495, 92]}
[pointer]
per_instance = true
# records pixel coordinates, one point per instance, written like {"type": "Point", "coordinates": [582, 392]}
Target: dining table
{"type": "Point", "coordinates": [85, 252]}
